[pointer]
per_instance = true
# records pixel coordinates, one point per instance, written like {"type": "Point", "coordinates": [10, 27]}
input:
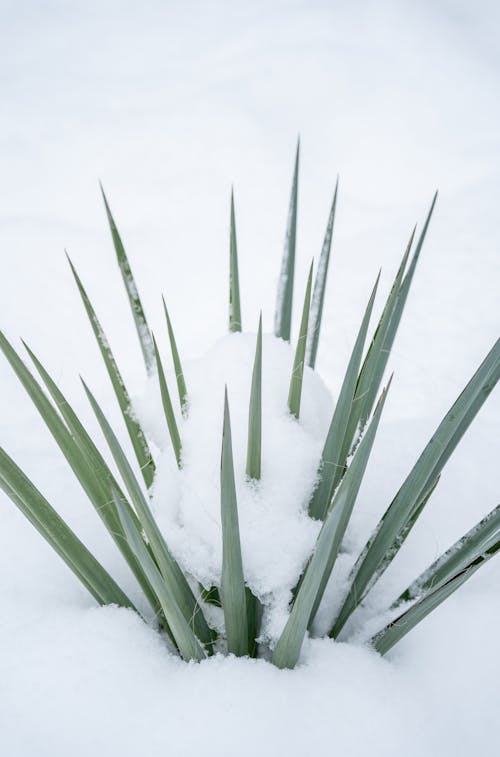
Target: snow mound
{"type": "Point", "coordinates": [277, 536]}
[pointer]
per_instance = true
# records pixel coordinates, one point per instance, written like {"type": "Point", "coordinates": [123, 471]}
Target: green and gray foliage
{"type": "Point", "coordinates": [180, 604]}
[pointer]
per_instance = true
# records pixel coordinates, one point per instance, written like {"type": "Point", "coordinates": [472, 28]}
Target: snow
{"type": "Point", "coordinates": [277, 536]}
{"type": "Point", "coordinates": [169, 104]}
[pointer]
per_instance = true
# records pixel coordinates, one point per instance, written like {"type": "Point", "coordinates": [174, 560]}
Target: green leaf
{"type": "Point", "coordinates": [321, 564]}
{"type": "Point", "coordinates": [179, 374]}
{"type": "Point", "coordinates": [255, 413]}
{"type": "Point", "coordinates": [132, 292]}
{"type": "Point", "coordinates": [60, 537]}
{"type": "Point", "coordinates": [234, 283]}
{"type": "Point", "coordinates": [331, 456]}
{"type": "Point", "coordinates": [284, 299]}
{"type": "Point", "coordinates": [476, 541]}
{"type": "Point", "coordinates": [187, 643]}
{"type": "Point", "coordinates": [254, 618]}
{"type": "Point", "coordinates": [295, 391]}
{"type": "Point", "coordinates": [389, 329]}
{"type": "Point", "coordinates": [135, 432]}
{"type": "Point", "coordinates": [95, 486]}
{"type": "Point", "coordinates": [385, 639]}
{"type": "Point", "coordinates": [232, 588]}
{"type": "Point", "coordinates": [385, 541]}
{"type": "Point", "coordinates": [169, 568]}
{"type": "Point", "coordinates": [167, 407]}
{"type": "Point", "coordinates": [366, 379]}
{"type": "Point", "coordinates": [318, 296]}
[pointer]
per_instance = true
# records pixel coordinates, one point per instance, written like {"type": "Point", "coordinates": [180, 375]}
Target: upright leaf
{"type": "Point", "coordinates": [382, 351]}
{"type": "Point", "coordinates": [139, 443]}
{"type": "Point", "coordinates": [385, 541]}
{"type": "Point", "coordinates": [167, 407]}
{"type": "Point", "coordinates": [295, 391]}
{"type": "Point", "coordinates": [255, 413]}
{"type": "Point", "coordinates": [366, 379]}
{"type": "Point", "coordinates": [234, 283]}
{"type": "Point", "coordinates": [331, 455]}
{"type": "Point", "coordinates": [132, 292]}
{"type": "Point", "coordinates": [318, 296]}
{"type": "Point", "coordinates": [321, 564]}
{"type": "Point", "coordinates": [284, 299]}
{"type": "Point", "coordinates": [233, 595]}
{"type": "Point", "coordinates": [179, 374]}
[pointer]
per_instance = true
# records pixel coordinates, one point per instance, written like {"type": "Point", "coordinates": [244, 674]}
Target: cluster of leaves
{"type": "Point", "coordinates": [176, 600]}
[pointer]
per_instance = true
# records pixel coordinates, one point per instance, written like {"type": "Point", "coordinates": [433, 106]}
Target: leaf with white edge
{"type": "Point", "coordinates": [331, 455]}
{"type": "Point", "coordinates": [168, 410]}
{"type": "Point", "coordinates": [234, 282]}
{"type": "Point", "coordinates": [385, 639]}
{"type": "Point", "coordinates": [321, 564]}
{"type": "Point", "coordinates": [284, 298]}
{"type": "Point", "coordinates": [295, 390]}
{"type": "Point", "coordinates": [186, 641]}
{"type": "Point", "coordinates": [57, 533]}
{"type": "Point", "coordinates": [318, 296]}
{"type": "Point", "coordinates": [179, 373]}
{"type": "Point", "coordinates": [232, 590]}
{"type": "Point", "coordinates": [254, 445]}
{"type": "Point", "coordinates": [166, 563]}
{"type": "Point", "coordinates": [476, 541]}
{"type": "Point", "coordinates": [139, 443]}
{"type": "Point", "coordinates": [132, 292]}
{"type": "Point", "coordinates": [383, 544]}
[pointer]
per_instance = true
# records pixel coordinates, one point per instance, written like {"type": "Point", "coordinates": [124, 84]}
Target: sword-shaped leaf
{"type": "Point", "coordinates": [255, 413]}
{"type": "Point", "coordinates": [185, 639]}
{"type": "Point", "coordinates": [167, 407]}
{"type": "Point", "coordinates": [476, 541]}
{"type": "Point", "coordinates": [169, 568]}
{"type": "Point", "coordinates": [132, 291]}
{"type": "Point", "coordinates": [57, 533]}
{"type": "Point", "coordinates": [284, 298]}
{"type": "Point", "coordinates": [295, 390]}
{"type": "Point", "coordinates": [232, 590]}
{"type": "Point", "coordinates": [95, 486]}
{"type": "Point", "coordinates": [139, 443]}
{"type": "Point", "coordinates": [385, 639]}
{"type": "Point", "coordinates": [234, 282]}
{"type": "Point", "coordinates": [386, 539]}
{"type": "Point", "coordinates": [321, 564]}
{"type": "Point", "coordinates": [179, 374]}
{"type": "Point", "coordinates": [318, 296]}
{"type": "Point", "coordinates": [382, 350]}
{"type": "Point", "coordinates": [331, 455]}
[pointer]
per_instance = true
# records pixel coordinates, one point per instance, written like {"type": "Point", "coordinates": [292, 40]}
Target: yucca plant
{"type": "Point", "coordinates": [181, 605]}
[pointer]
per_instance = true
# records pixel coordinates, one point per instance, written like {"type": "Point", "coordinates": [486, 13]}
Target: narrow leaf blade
{"type": "Point", "coordinates": [234, 282]}
{"type": "Point", "coordinates": [132, 291]}
{"type": "Point", "coordinates": [295, 391]}
{"type": "Point", "coordinates": [232, 592]}
{"type": "Point", "coordinates": [179, 373]}
{"type": "Point", "coordinates": [318, 296]}
{"type": "Point", "coordinates": [284, 299]}
{"type": "Point", "coordinates": [254, 446]}
{"type": "Point", "coordinates": [139, 443]}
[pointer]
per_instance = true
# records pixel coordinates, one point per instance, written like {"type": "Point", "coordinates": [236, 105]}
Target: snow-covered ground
{"type": "Point", "coordinates": [170, 103]}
